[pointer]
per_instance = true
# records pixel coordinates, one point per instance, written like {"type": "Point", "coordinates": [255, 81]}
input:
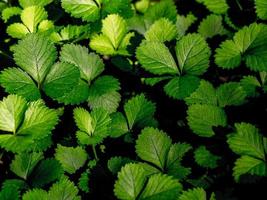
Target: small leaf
{"type": "Point", "coordinates": [205, 158]}
{"type": "Point", "coordinates": [193, 194]}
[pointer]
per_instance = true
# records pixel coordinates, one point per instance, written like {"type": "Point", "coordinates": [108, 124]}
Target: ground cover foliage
{"type": "Point", "coordinates": [133, 100]}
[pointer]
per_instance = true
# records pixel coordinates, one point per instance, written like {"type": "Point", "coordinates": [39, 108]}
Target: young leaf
{"type": "Point", "coordinates": [35, 54]}
{"type": "Point", "coordinates": [88, 10]}
{"type": "Point", "coordinates": [156, 58]}
{"type": "Point", "coordinates": [24, 163]}
{"type": "Point", "coordinates": [193, 54]}
{"type": "Point", "coordinates": [183, 23]}
{"type": "Point", "coordinates": [161, 31]}
{"type": "Point", "coordinates": [118, 126]}
{"type": "Point", "coordinates": [27, 3]}
{"type": "Point", "coordinates": [153, 146]}
{"type": "Point", "coordinates": [71, 158]}
{"type": "Point", "coordinates": [202, 124]}
{"type": "Point", "coordinates": [83, 120]}
{"type": "Point", "coordinates": [139, 111]}
{"type": "Point", "coordinates": [205, 158]}
{"type": "Point", "coordinates": [17, 30]}
{"type": "Point", "coordinates": [131, 180]}
{"type": "Point", "coordinates": [9, 12]}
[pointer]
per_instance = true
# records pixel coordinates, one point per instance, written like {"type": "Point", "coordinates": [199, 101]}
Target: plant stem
{"type": "Point", "coordinates": [94, 150]}
{"type": "Point", "coordinates": [5, 54]}
{"type": "Point", "coordinates": [239, 5]}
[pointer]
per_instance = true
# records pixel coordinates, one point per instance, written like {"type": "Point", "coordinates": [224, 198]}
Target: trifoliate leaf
{"type": "Point", "coordinates": [46, 172]}
{"type": "Point", "coordinates": [32, 16]}
{"type": "Point", "coordinates": [116, 163]}
{"type": "Point", "coordinates": [71, 158]}
{"type": "Point", "coordinates": [161, 31]}
{"type": "Point", "coordinates": [153, 146]}
{"type": "Point", "coordinates": [139, 111]}
{"type": "Point", "coordinates": [247, 141]}
{"type": "Point", "coordinates": [64, 189]}
{"type": "Point", "coordinates": [27, 3]}
{"type": "Point", "coordinates": [17, 30]}
{"type": "Point", "coordinates": [211, 26]}
{"type": "Point", "coordinates": [163, 9]}
{"type": "Point", "coordinates": [205, 158]}
{"type": "Point", "coordinates": [87, 10]}
{"type": "Point", "coordinates": [114, 38]}
{"type": "Point", "coordinates": [35, 194]}
{"type": "Point", "coordinates": [230, 94]}
{"type": "Point", "coordinates": [194, 194]}
{"type": "Point", "coordinates": [182, 86]}
{"type": "Point", "coordinates": [193, 54]}
{"type": "Point", "coordinates": [131, 180]}
{"type": "Point", "coordinates": [61, 79]}
{"type": "Point", "coordinates": [215, 6]}
{"type": "Point", "coordinates": [90, 65]}
{"type": "Point", "coordinates": [103, 93]}
{"type": "Point", "coordinates": [204, 94]}
{"type": "Point", "coordinates": [250, 42]}
{"type": "Point", "coordinates": [118, 126]}
{"type": "Point", "coordinates": [250, 165]}
{"type": "Point", "coordinates": [9, 12]}
{"type": "Point", "coordinates": [16, 81]}
{"type": "Point", "coordinates": [35, 54]}
{"type": "Point", "coordinates": [156, 58]}
{"type": "Point", "coordinates": [24, 163]}
{"type": "Point", "coordinates": [202, 124]}
{"type": "Point", "coordinates": [161, 186]}
{"type": "Point", "coordinates": [12, 110]}
{"type": "Point", "coordinates": [261, 9]}
{"type": "Point", "coordinates": [183, 23]}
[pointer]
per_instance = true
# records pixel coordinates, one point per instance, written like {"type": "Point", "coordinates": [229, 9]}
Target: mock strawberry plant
{"type": "Point", "coordinates": [133, 99]}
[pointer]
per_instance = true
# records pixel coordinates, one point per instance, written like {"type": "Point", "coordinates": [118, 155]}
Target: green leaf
{"type": "Point", "coordinates": [183, 23]}
{"type": "Point", "coordinates": [205, 158]}
{"type": "Point", "coordinates": [121, 7]}
{"type": "Point", "coordinates": [114, 38]}
{"type": "Point", "coordinates": [181, 87]}
{"type": "Point", "coordinates": [17, 30]}
{"type": "Point", "coordinates": [211, 26]}
{"type": "Point", "coordinates": [118, 126]}
{"type": "Point", "coordinates": [139, 111]}
{"type": "Point", "coordinates": [116, 163]}
{"type": "Point", "coordinates": [24, 163]}
{"type": "Point", "coordinates": [205, 94]}
{"type": "Point", "coordinates": [90, 65]}
{"type": "Point", "coordinates": [11, 189]}
{"type": "Point", "coordinates": [71, 158]}
{"type": "Point", "coordinates": [61, 79]}
{"type": "Point", "coordinates": [247, 141]}
{"type": "Point", "coordinates": [202, 124]}
{"type": "Point", "coordinates": [32, 16]}
{"type": "Point", "coordinates": [9, 12]}
{"type": "Point", "coordinates": [83, 120]}
{"type": "Point", "coordinates": [12, 110]}
{"type": "Point", "coordinates": [46, 172]}
{"type": "Point", "coordinates": [156, 58]}
{"type": "Point", "coordinates": [131, 180]}
{"type": "Point", "coordinates": [230, 94]}
{"type": "Point", "coordinates": [215, 6]}
{"type": "Point", "coordinates": [64, 190]}
{"type": "Point", "coordinates": [193, 54]}
{"type": "Point", "coordinates": [27, 3]}
{"type": "Point", "coordinates": [261, 9]}
{"type": "Point", "coordinates": [247, 164]}
{"type": "Point", "coordinates": [38, 122]}
{"type": "Point", "coordinates": [160, 186]}
{"type": "Point", "coordinates": [250, 84]}
{"type": "Point", "coordinates": [16, 81]}
{"type": "Point", "coordinates": [87, 10]}
{"type": "Point", "coordinates": [35, 54]}
{"type": "Point", "coordinates": [103, 93]}
{"type": "Point", "coordinates": [161, 31]}
{"type": "Point", "coordinates": [153, 146]}
{"type": "Point", "coordinates": [35, 194]}
{"type": "Point", "coordinates": [194, 194]}
{"type": "Point", "coordinates": [251, 42]}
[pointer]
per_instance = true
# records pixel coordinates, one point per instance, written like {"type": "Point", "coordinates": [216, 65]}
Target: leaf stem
{"type": "Point", "coordinates": [94, 150]}
{"type": "Point", "coordinates": [5, 54]}
{"type": "Point", "coordinates": [239, 5]}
